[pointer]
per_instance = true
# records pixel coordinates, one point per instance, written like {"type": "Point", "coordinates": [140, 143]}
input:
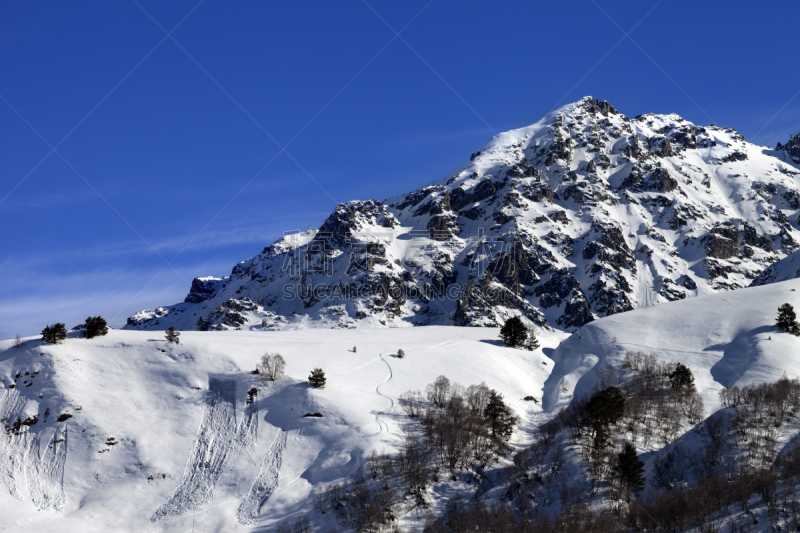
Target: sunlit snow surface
{"type": "Point", "coordinates": [218, 464]}
{"type": "Point", "coordinates": [228, 466]}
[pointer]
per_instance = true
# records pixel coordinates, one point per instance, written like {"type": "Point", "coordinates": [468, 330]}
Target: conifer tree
{"type": "Point", "coordinates": [682, 379]}
{"type": "Point", "coordinates": [531, 343]}
{"type": "Point", "coordinates": [787, 319]}
{"type": "Point", "coordinates": [514, 333]}
{"type": "Point", "coordinates": [317, 379]}
{"type": "Point", "coordinates": [630, 469]}
{"type": "Point", "coordinates": [500, 416]}
{"type": "Point", "coordinates": [55, 334]}
{"type": "Point", "coordinates": [172, 335]}
{"type": "Point", "coordinates": [95, 327]}
{"type": "Point", "coordinates": [605, 408]}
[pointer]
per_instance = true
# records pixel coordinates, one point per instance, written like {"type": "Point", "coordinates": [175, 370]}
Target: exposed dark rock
{"type": "Point", "coordinates": [537, 192]}
{"type": "Point", "coordinates": [460, 198]}
{"type": "Point", "coordinates": [792, 147]}
{"type": "Point", "coordinates": [671, 291]}
{"type": "Point", "coordinates": [716, 269]}
{"type": "Point", "coordinates": [660, 146]}
{"type": "Point", "coordinates": [576, 312]}
{"type": "Point", "coordinates": [202, 289]}
{"type": "Point", "coordinates": [559, 216]}
{"type": "Point", "coordinates": [735, 156]}
{"type": "Point", "coordinates": [718, 246]}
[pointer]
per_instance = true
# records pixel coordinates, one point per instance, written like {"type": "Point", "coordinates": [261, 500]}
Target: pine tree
{"type": "Point", "coordinates": [172, 335]}
{"type": "Point", "coordinates": [531, 343]}
{"type": "Point", "coordinates": [630, 469]}
{"type": "Point", "coordinates": [787, 319]}
{"type": "Point", "coordinates": [604, 408]}
{"type": "Point", "coordinates": [514, 333]}
{"type": "Point", "coordinates": [682, 379]}
{"type": "Point", "coordinates": [500, 416]}
{"type": "Point", "coordinates": [95, 327]}
{"type": "Point", "coordinates": [317, 379]}
{"type": "Point", "coordinates": [400, 353]}
{"type": "Point", "coordinates": [55, 334]}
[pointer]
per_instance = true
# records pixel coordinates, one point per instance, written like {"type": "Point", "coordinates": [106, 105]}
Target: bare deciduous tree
{"type": "Point", "coordinates": [271, 366]}
{"type": "Point", "coordinates": [439, 391]}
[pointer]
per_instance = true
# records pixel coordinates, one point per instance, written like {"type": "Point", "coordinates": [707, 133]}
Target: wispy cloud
{"type": "Point", "coordinates": [40, 298]}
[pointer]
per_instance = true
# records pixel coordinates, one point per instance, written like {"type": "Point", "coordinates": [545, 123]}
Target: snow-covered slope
{"type": "Point", "coordinates": [584, 214]}
{"type": "Point", "coordinates": [785, 269]}
{"type": "Point", "coordinates": [161, 437]}
{"type": "Point", "coordinates": [727, 339]}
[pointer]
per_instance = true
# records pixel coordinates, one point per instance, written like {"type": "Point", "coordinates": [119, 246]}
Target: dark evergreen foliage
{"type": "Point", "coordinates": [317, 379]}
{"type": "Point", "coordinates": [514, 333]}
{"type": "Point", "coordinates": [55, 334]}
{"type": "Point", "coordinates": [172, 335]}
{"type": "Point", "coordinates": [500, 416]}
{"type": "Point", "coordinates": [604, 408]}
{"type": "Point", "coordinates": [95, 327]}
{"type": "Point", "coordinates": [630, 469]}
{"type": "Point", "coordinates": [787, 319]}
{"type": "Point", "coordinates": [682, 379]}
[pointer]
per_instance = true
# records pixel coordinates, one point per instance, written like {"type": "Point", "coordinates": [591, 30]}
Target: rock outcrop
{"type": "Point", "coordinates": [584, 214]}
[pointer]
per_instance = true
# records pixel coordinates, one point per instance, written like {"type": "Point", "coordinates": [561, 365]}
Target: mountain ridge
{"type": "Point", "coordinates": [584, 214]}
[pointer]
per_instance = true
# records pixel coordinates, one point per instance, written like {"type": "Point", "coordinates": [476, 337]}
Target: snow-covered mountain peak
{"type": "Point", "coordinates": [582, 214]}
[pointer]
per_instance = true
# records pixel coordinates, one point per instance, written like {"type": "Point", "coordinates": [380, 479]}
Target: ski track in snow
{"type": "Point", "coordinates": [266, 482]}
{"type": "Point", "coordinates": [23, 468]}
{"type": "Point", "coordinates": [382, 426]}
{"type": "Point", "coordinates": [218, 442]}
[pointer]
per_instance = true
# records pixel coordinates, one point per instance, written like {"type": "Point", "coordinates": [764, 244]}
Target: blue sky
{"type": "Point", "coordinates": [169, 162]}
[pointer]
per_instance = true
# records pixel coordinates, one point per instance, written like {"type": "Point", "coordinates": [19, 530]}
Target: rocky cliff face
{"type": "Point", "coordinates": [584, 214]}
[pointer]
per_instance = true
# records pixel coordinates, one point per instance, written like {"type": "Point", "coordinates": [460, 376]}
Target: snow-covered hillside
{"type": "Point", "coordinates": [727, 339]}
{"type": "Point", "coordinates": [584, 214]}
{"type": "Point", "coordinates": [129, 433]}
{"type": "Point", "coordinates": [161, 436]}
{"type": "Point", "coordinates": [785, 269]}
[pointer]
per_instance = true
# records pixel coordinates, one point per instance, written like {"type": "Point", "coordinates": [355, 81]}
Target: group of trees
{"type": "Point", "coordinates": [463, 428]}
{"type": "Point", "coordinates": [54, 334]}
{"type": "Point", "coordinates": [95, 326]}
{"type": "Point", "coordinates": [272, 367]}
{"type": "Point", "coordinates": [754, 415]}
{"type": "Point", "coordinates": [648, 400]}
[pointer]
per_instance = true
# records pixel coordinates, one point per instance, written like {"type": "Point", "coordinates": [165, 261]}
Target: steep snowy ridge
{"type": "Point", "coordinates": [785, 269]}
{"type": "Point", "coordinates": [586, 213]}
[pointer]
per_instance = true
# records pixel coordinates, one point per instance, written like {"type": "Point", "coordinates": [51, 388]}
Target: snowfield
{"type": "Point", "coordinates": [161, 437]}
{"type": "Point", "coordinates": [726, 339]}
